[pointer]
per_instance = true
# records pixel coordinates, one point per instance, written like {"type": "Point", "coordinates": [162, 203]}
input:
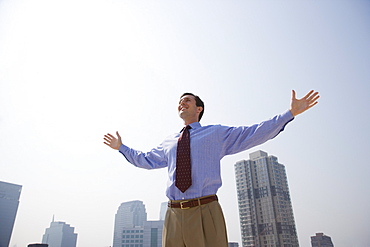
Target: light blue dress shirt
{"type": "Point", "coordinates": [208, 144]}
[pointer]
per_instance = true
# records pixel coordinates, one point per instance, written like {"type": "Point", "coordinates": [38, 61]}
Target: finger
{"type": "Point", "coordinates": [308, 94]}
{"type": "Point", "coordinates": [118, 134]}
{"type": "Point", "coordinates": [312, 96]}
{"type": "Point", "coordinates": [293, 95]}
{"type": "Point", "coordinates": [315, 99]}
{"type": "Point", "coordinates": [108, 138]}
{"type": "Point", "coordinates": [107, 135]}
{"type": "Point", "coordinates": [312, 105]}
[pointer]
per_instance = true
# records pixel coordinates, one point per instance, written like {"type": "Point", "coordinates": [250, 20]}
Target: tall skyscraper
{"type": "Point", "coordinates": [60, 234]}
{"type": "Point", "coordinates": [265, 209]}
{"type": "Point", "coordinates": [9, 201]}
{"type": "Point", "coordinates": [129, 224]}
{"type": "Point", "coordinates": [320, 240]}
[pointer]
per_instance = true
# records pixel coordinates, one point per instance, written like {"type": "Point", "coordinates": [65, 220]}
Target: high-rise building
{"type": "Point", "coordinates": [265, 209]}
{"type": "Point", "coordinates": [320, 240]}
{"type": "Point", "coordinates": [9, 201]}
{"type": "Point", "coordinates": [60, 234]}
{"type": "Point", "coordinates": [129, 224]}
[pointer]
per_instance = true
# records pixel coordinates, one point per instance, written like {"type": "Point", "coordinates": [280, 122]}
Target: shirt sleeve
{"type": "Point", "coordinates": [153, 159]}
{"type": "Point", "coordinates": [237, 139]}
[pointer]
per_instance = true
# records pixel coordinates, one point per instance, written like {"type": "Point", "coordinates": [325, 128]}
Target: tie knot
{"type": "Point", "coordinates": [187, 127]}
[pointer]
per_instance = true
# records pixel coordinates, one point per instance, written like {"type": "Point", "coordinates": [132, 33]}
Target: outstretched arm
{"type": "Point", "coordinates": [298, 106]}
{"type": "Point", "coordinates": [150, 160]}
{"type": "Point", "coordinates": [112, 141]}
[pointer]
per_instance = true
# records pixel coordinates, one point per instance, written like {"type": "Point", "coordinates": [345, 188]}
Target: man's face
{"type": "Point", "coordinates": [187, 108]}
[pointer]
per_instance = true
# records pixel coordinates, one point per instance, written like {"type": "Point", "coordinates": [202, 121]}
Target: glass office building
{"type": "Point", "coordinates": [129, 224]}
{"type": "Point", "coordinates": [9, 202]}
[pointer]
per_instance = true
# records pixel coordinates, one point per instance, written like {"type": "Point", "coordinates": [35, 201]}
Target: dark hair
{"type": "Point", "coordinates": [198, 102]}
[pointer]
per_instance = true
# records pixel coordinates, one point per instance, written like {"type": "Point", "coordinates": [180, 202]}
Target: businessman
{"type": "Point", "coordinates": [192, 156]}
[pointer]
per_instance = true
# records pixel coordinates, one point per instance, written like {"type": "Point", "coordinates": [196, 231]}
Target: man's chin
{"type": "Point", "coordinates": [182, 114]}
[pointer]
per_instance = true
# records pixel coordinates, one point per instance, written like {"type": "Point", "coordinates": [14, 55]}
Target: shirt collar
{"type": "Point", "coordinates": [194, 125]}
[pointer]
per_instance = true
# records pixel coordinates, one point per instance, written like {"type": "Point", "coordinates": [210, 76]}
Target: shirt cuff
{"type": "Point", "coordinates": [122, 149]}
{"type": "Point", "coordinates": [288, 114]}
{"type": "Point", "coordinates": [287, 118]}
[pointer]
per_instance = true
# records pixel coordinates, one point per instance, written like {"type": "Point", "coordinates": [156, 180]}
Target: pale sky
{"type": "Point", "coordinates": [71, 71]}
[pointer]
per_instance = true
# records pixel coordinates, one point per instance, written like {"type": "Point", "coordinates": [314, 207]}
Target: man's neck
{"type": "Point", "coordinates": [187, 122]}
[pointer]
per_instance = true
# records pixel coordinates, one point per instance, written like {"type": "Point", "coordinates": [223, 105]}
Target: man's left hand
{"type": "Point", "coordinates": [298, 106]}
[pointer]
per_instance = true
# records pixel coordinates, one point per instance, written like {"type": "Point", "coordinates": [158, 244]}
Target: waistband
{"type": "Point", "coordinates": [186, 204]}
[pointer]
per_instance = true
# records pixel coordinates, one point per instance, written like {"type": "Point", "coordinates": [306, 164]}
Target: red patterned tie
{"type": "Point", "coordinates": [183, 165]}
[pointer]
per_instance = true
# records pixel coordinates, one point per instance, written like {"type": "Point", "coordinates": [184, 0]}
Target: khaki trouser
{"type": "Point", "coordinates": [201, 226]}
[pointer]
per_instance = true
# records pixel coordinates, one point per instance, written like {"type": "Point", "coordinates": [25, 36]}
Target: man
{"type": "Point", "coordinates": [194, 217]}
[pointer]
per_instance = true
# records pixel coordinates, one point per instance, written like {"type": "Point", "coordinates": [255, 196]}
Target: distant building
{"type": "Point", "coordinates": [132, 237]}
{"type": "Point", "coordinates": [60, 234]}
{"type": "Point", "coordinates": [320, 240]}
{"type": "Point", "coordinates": [265, 209]}
{"type": "Point", "coordinates": [153, 233]}
{"type": "Point", "coordinates": [162, 212]}
{"type": "Point", "coordinates": [9, 202]}
{"type": "Point", "coordinates": [129, 224]}
{"type": "Point", "coordinates": [231, 244]}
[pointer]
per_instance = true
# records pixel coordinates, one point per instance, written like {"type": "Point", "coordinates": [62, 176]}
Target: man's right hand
{"type": "Point", "coordinates": [112, 141]}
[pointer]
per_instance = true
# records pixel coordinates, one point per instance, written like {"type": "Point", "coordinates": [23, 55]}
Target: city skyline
{"type": "Point", "coordinates": [132, 215]}
{"type": "Point", "coordinates": [73, 71]}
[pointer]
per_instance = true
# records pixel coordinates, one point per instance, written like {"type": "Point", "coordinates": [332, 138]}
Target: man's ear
{"type": "Point", "coordinates": [199, 109]}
